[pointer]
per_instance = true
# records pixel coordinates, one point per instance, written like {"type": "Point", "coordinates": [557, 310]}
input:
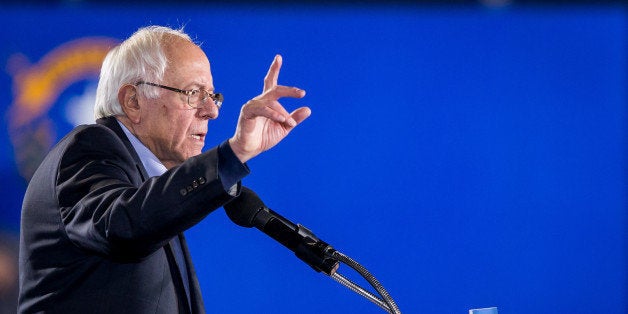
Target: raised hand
{"type": "Point", "coordinates": [263, 121]}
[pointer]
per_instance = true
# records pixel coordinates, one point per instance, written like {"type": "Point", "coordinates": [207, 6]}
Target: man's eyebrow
{"type": "Point", "coordinates": [199, 85]}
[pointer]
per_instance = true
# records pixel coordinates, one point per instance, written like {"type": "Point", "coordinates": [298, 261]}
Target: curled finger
{"type": "Point", "coordinates": [272, 110]}
{"type": "Point", "coordinates": [281, 91]}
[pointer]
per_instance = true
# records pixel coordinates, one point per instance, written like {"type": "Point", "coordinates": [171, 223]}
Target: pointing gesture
{"type": "Point", "coordinates": [263, 121]}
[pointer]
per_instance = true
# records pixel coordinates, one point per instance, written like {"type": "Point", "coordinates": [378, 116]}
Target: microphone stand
{"type": "Point", "coordinates": [248, 210]}
{"type": "Point", "coordinates": [385, 302]}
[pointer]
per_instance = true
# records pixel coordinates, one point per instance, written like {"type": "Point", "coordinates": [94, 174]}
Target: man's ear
{"type": "Point", "coordinates": [127, 97]}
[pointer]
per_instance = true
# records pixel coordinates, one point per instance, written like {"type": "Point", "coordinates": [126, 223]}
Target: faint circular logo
{"type": "Point", "coordinates": [37, 89]}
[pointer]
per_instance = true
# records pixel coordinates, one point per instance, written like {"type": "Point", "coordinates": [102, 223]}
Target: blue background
{"type": "Point", "coordinates": [467, 156]}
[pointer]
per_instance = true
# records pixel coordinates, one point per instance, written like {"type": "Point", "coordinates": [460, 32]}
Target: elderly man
{"type": "Point", "coordinates": [103, 216]}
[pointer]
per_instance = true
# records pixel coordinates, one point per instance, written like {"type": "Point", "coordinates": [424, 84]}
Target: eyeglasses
{"type": "Point", "coordinates": [196, 97]}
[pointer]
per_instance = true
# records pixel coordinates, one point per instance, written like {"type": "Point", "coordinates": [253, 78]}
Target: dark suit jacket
{"type": "Point", "coordinates": [96, 232]}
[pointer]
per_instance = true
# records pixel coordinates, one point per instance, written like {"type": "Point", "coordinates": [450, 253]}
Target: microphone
{"type": "Point", "coordinates": [248, 210]}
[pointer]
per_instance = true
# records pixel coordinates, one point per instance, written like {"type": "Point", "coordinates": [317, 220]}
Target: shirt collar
{"type": "Point", "coordinates": [151, 163]}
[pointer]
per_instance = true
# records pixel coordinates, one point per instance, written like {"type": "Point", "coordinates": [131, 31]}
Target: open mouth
{"type": "Point", "coordinates": [198, 136]}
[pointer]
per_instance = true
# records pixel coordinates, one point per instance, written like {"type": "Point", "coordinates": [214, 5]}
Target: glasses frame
{"type": "Point", "coordinates": [217, 98]}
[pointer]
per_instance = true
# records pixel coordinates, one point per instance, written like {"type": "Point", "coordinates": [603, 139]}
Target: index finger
{"type": "Point", "coordinates": [272, 76]}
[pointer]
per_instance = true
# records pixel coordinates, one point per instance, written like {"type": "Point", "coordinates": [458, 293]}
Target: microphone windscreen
{"type": "Point", "coordinates": [242, 209]}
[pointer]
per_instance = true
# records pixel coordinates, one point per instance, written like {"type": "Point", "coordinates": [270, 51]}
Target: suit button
{"type": "Point", "coordinates": [183, 192]}
{"type": "Point", "coordinates": [189, 188]}
{"type": "Point", "coordinates": [201, 180]}
{"type": "Point", "coordinates": [195, 184]}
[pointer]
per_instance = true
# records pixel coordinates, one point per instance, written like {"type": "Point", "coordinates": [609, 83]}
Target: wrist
{"type": "Point", "coordinates": [238, 151]}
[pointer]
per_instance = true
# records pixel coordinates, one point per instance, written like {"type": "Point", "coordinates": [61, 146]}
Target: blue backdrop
{"type": "Point", "coordinates": [467, 156]}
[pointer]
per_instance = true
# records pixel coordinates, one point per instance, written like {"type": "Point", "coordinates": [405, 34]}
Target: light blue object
{"type": "Point", "coordinates": [488, 310]}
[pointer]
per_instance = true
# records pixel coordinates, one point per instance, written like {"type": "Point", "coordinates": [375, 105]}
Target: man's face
{"type": "Point", "coordinates": [168, 126]}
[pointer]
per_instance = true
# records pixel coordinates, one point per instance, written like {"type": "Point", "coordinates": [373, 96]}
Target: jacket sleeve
{"type": "Point", "coordinates": [105, 207]}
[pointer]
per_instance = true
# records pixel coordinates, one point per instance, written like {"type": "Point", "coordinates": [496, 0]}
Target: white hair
{"type": "Point", "coordinates": [141, 57]}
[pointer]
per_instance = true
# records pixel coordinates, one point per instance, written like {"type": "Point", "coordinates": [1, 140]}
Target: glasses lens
{"type": "Point", "coordinates": [196, 98]}
{"type": "Point", "coordinates": [217, 99]}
